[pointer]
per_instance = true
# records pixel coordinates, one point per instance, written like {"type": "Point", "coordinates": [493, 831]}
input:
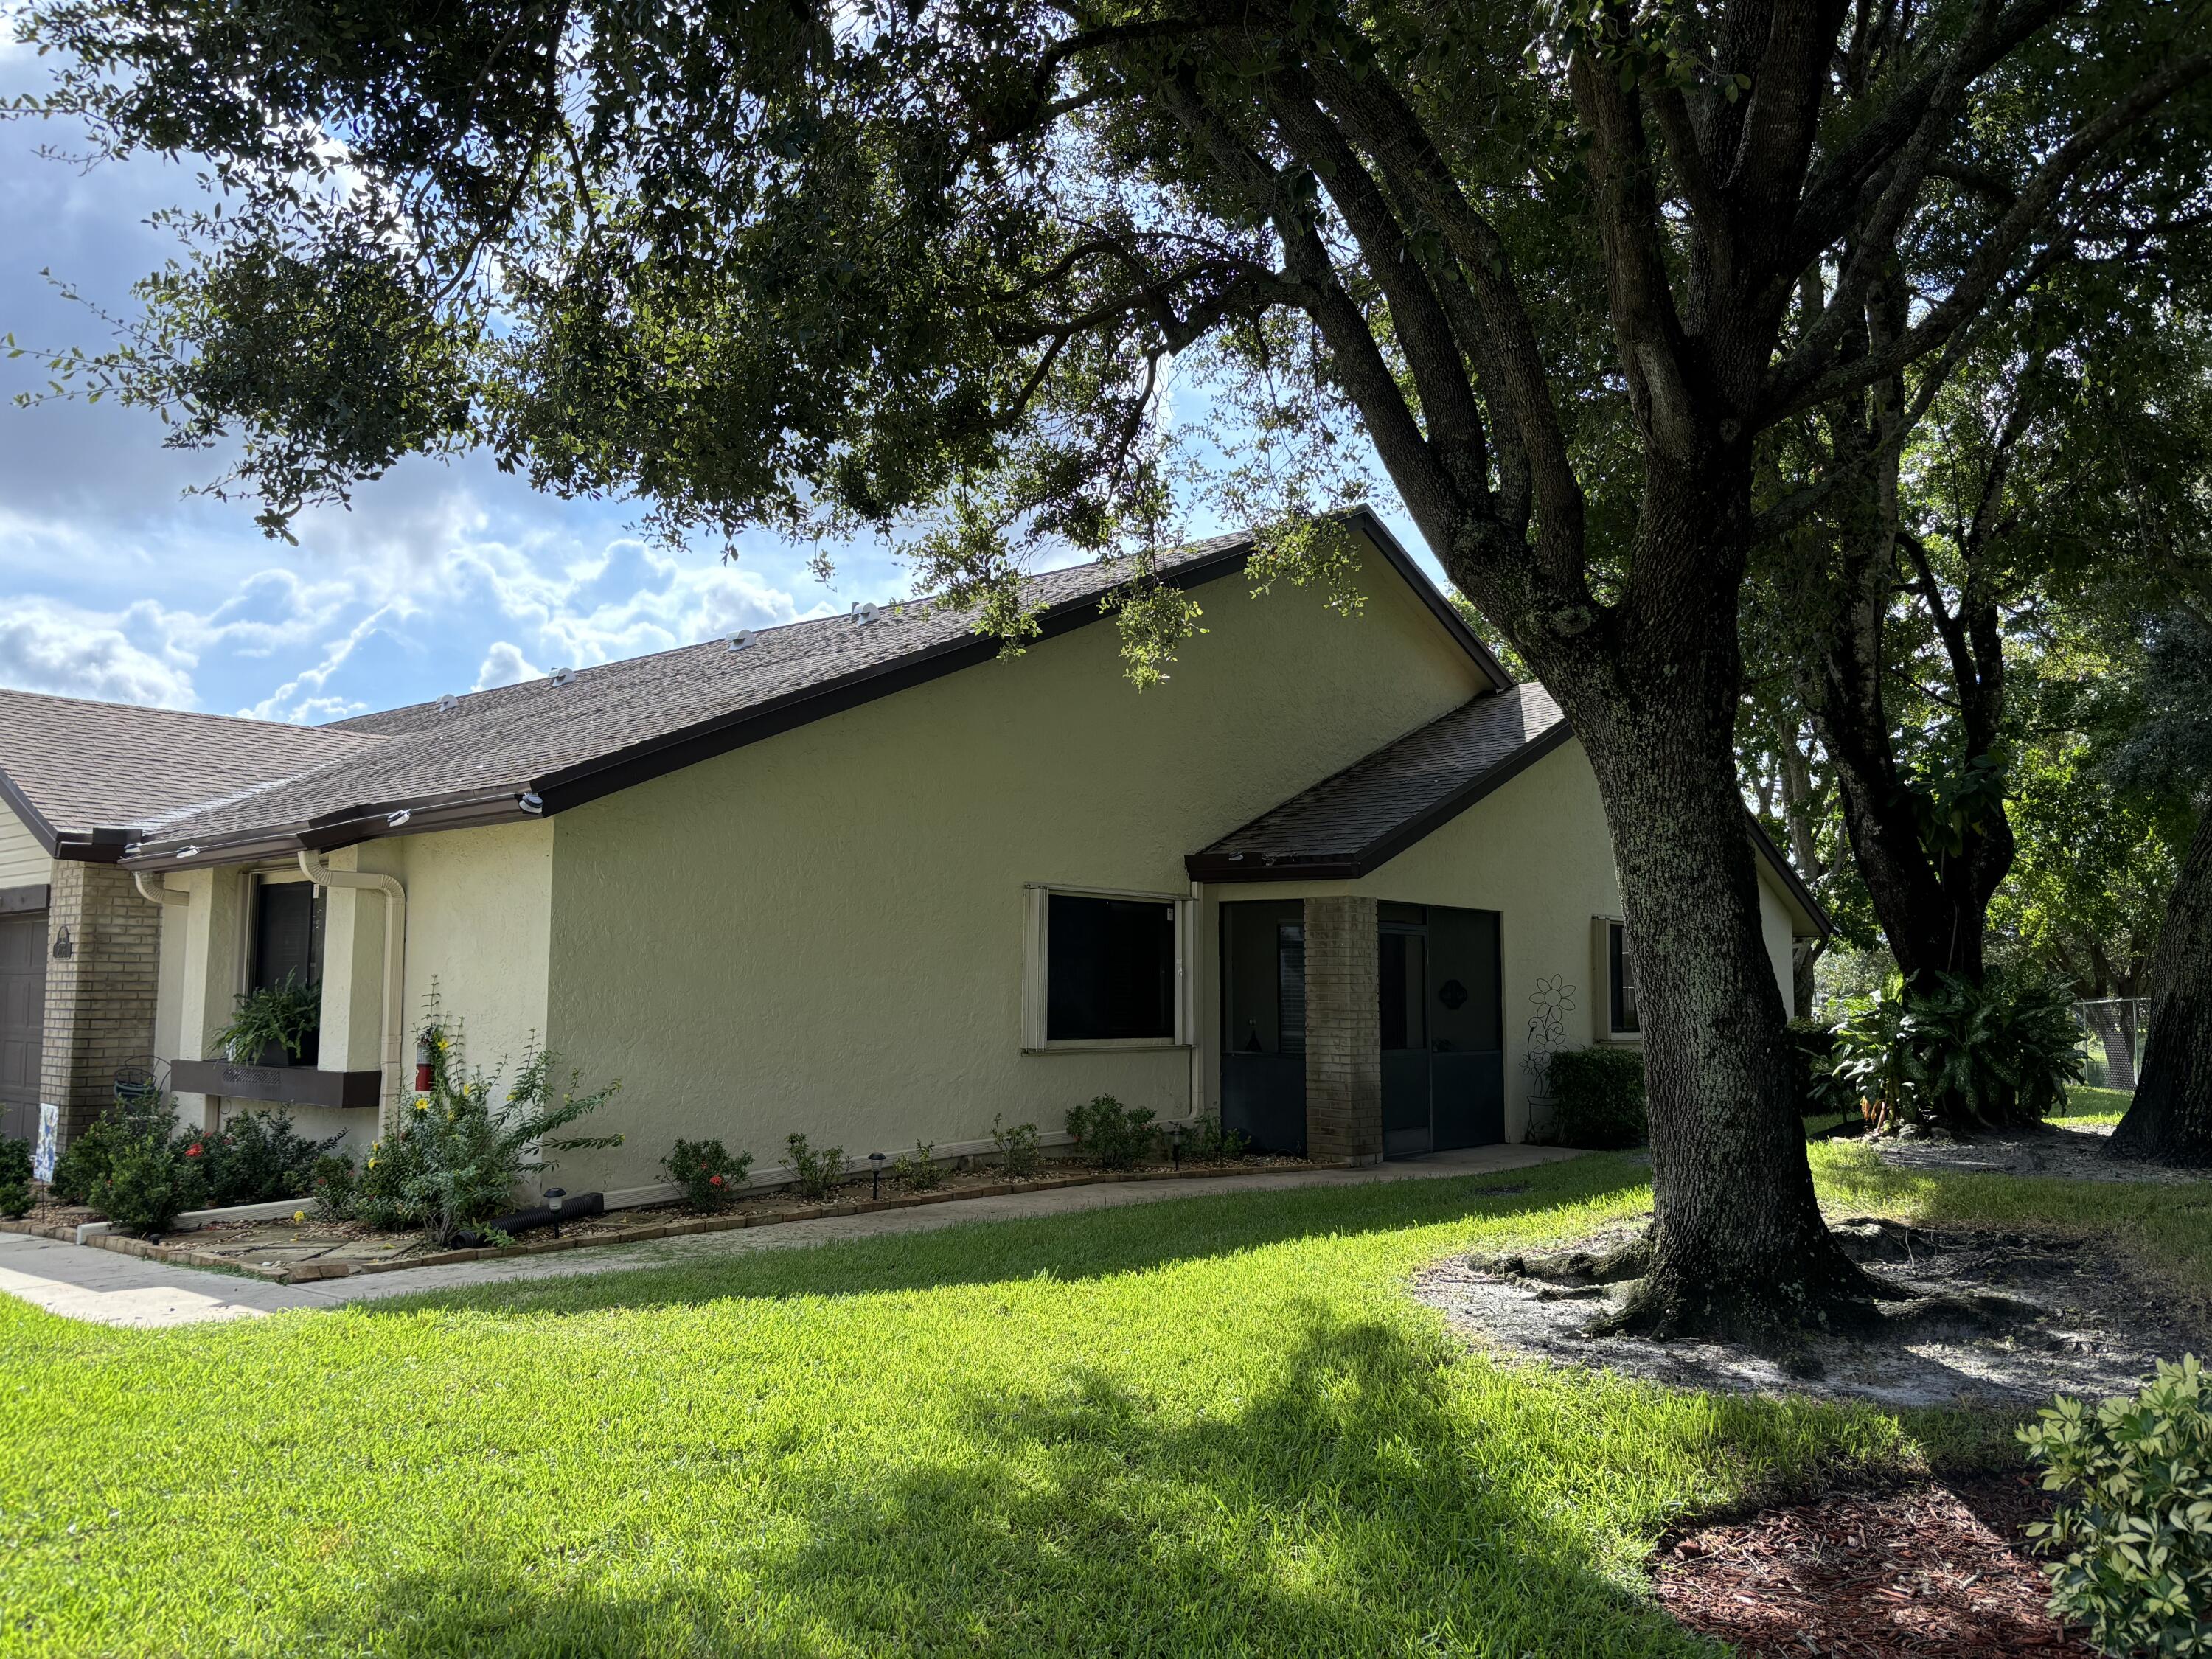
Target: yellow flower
{"type": "Point", "coordinates": [422, 1102]}
{"type": "Point", "coordinates": [371, 1163]}
{"type": "Point", "coordinates": [299, 1215]}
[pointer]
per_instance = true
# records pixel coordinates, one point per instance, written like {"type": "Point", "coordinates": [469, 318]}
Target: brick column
{"type": "Point", "coordinates": [1344, 1032]}
{"type": "Point", "coordinates": [100, 992]}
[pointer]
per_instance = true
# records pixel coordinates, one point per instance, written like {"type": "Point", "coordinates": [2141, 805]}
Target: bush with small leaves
{"type": "Point", "coordinates": [84, 1161]}
{"type": "Point", "coordinates": [334, 1186]}
{"type": "Point", "coordinates": [919, 1169]}
{"type": "Point", "coordinates": [149, 1180]}
{"type": "Point", "coordinates": [1597, 1098]}
{"type": "Point", "coordinates": [15, 1196]}
{"type": "Point", "coordinates": [1020, 1153]}
{"type": "Point", "coordinates": [2136, 1524]}
{"type": "Point", "coordinates": [1114, 1136]}
{"type": "Point", "coordinates": [1207, 1142]}
{"type": "Point", "coordinates": [814, 1174]}
{"type": "Point", "coordinates": [710, 1175]}
{"type": "Point", "coordinates": [256, 1158]}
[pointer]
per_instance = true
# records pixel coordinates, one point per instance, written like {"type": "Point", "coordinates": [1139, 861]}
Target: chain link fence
{"type": "Point", "coordinates": [2115, 1036]}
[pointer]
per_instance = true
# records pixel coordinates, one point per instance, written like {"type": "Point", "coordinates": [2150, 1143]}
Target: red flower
{"type": "Point", "coordinates": [714, 1181]}
{"type": "Point", "coordinates": [192, 1151]}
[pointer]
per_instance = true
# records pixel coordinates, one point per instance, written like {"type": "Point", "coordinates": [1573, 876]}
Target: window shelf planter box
{"type": "Point", "coordinates": [289, 1086]}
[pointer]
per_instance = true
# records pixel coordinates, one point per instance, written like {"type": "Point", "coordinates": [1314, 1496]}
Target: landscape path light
{"type": "Point", "coordinates": [1175, 1143]}
{"type": "Point", "coordinates": [875, 1176]}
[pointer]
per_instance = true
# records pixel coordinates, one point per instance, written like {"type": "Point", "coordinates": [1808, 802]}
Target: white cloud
{"type": "Point", "coordinates": [45, 647]}
{"type": "Point", "coordinates": [505, 664]}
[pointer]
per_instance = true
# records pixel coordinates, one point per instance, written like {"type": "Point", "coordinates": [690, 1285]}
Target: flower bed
{"type": "Point", "coordinates": [306, 1248]}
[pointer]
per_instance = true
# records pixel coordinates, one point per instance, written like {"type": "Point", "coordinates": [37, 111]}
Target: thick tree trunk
{"type": "Point", "coordinates": [2171, 1120]}
{"type": "Point", "coordinates": [1739, 1250]}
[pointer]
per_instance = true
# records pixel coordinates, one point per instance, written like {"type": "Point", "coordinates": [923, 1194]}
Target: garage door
{"type": "Point", "coordinates": [23, 1009]}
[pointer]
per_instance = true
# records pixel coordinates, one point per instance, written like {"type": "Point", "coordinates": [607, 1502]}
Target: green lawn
{"type": "Point", "coordinates": [2087, 1105]}
{"type": "Point", "coordinates": [1209, 1426]}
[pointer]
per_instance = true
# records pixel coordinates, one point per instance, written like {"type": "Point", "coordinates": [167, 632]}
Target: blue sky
{"type": "Point", "coordinates": [114, 584]}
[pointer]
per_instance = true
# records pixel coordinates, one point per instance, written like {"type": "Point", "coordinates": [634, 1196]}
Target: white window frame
{"type": "Point", "coordinates": [1036, 959]}
{"type": "Point", "coordinates": [1601, 1026]}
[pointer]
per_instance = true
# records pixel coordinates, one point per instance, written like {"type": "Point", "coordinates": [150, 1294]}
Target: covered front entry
{"type": "Point", "coordinates": [1435, 1039]}
{"type": "Point", "coordinates": [22, 1020]}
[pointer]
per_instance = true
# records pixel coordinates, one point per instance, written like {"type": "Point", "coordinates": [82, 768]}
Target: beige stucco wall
{"type": "Point", "coordinates": [477, 924]}
{"type": "Point", "coordinates": [1537, 852]}
{"type": "Point", "coordinates": [823, 931]}
{"type": "Point", "coordinates": [23, 862]}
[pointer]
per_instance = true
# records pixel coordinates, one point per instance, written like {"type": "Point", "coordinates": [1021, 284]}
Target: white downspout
{"type": "Point", "coordinates": [395, 962]}
{"type": "Point", "coordinates": [162, 894]}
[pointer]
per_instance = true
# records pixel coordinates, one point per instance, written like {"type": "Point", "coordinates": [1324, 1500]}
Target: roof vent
{"type": "Point", "coordinates": [740, 640]}
{"type": "Point", "coordinates": [447, 703]}
{"type": "Point", "coordinates": [561, 676]}
{"type": "Point", "coordinates": [399, 818]}
{"type": "Point", "coordinates": [865, 614]}
{"type": "Point", "coordinates": [532, 802]}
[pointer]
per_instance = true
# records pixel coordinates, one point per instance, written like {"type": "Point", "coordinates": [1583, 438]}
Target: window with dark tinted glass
{"type": "Point", "coordinates": [1622, 965]}
{"type": "Point", "coordinates": [288, 933]}
{"type": "Point", "coordinates": [1110, 969]}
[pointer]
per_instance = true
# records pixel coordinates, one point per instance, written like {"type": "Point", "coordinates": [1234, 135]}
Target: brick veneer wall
{"type": "Point", "coordinates": [100, 997]}
{"type": "Point", "coordinates": [1344, 1032]}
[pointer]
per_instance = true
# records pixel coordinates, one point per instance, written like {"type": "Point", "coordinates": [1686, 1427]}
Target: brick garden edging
{"type": "Point", "coordinates": [299, 1272]}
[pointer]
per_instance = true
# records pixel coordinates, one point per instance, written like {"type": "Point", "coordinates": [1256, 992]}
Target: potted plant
{"type": "Point", "coordinates": [276, 1025]}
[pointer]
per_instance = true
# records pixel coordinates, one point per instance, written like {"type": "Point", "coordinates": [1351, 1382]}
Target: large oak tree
{"type": "Point", "coordinates": [926, 262]}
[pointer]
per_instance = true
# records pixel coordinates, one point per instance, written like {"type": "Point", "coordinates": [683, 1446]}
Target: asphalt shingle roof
{"type": "Point", "coordinates": [82, 766]}
{"type": "Point", "coordinates": [1380, 804]}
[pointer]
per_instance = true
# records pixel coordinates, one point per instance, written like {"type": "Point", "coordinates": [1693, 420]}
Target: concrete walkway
{"type": "Point", "coordinates": [105, 1288]}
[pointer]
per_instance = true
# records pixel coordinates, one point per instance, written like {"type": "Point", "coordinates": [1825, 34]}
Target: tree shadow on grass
{"type": "Point", "coordinates": [1352, 1505]}
{"type": "Point", "coordinates": [1080, 1244]}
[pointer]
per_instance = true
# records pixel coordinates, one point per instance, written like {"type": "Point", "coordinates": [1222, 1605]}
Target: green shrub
{"type": "Point", "coordinates": [286, 1014]}
{"type": "Point", "coordinates": [709, 1175]}
{"type": "Point", "coordinates": [2137, 1522]}
{"type": "Point", "coordinates": [1207, 1141]}
{"type": "Point", "coordinates": [150, 1178]}
{"type": "Point", "coordinates": [1020, 1153]}
{"type": "Point", "coordinates": [1111, 1135]}
{"type": "Point", "coordinates": [814, 1174]}
{"type": "Point", "coordinates": [86, 1158]}
{"type": "Point", "coordinates": [1959, 1056]}
{"type": "Point", "coordinates": [14, 1177]}
{"type": "Point", "coordinates": [1597, 1097]}
{"type": "Point", "coordinates": [334, 1185]}
{"type": "Point", "coordinates": [919, 1169]}
{"type": "Point", "coordinates": [457, 1157]}
{"type": "Point", "coordinates": [257, 1156]}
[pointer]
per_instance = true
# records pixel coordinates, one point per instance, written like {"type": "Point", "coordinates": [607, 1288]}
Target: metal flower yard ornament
{"type": "Point", "coordinates": [1547, 1032]}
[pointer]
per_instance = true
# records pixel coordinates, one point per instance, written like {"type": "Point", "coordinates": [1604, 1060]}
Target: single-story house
{"type": "Point", "coordinates": [1340, 880]}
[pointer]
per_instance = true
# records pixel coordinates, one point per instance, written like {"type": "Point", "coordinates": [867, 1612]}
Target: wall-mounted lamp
{"type": "Point", "coordinates": [64, 947]}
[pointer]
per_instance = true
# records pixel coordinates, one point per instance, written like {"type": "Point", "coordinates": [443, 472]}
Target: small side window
{"type": "Point", "coordinates": [288, 934]}
{"type": "Point", "coordinates": [1620, 977]}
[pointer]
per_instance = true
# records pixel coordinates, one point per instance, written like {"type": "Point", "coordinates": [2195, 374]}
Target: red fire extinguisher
{"type": "Point", "coordinates": [422, 1064]}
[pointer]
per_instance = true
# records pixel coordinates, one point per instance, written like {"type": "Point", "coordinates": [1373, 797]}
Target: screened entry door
{"type": "Point", "coordinates": [22, 1020]}
{"type": "Point", "coordinates": [1263, 1023]}
{"type": "Point", "coordinates": [1443, 1049]}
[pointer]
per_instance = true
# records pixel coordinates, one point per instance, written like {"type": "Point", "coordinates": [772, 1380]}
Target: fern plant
{"type": "Point", "coordinates": [285, 1014]}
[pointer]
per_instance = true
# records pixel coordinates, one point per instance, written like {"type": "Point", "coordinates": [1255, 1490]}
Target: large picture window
{"type": "Point", "coordinates": [1104, 968]}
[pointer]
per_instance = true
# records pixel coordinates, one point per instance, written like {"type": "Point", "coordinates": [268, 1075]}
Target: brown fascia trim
{"type": "Point", "coordinates": [14, 901]}
{"type": "Point", "coordinates": [1431, 596]}
{"type": "Point", "coordinates": [624, 769]}
{"type": "Point", "coordinates": [1352, 866]}
{"type": "Point", "coordinates": [1764, 845]}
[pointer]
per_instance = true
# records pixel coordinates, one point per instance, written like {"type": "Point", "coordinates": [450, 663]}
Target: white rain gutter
{"type": "Point", "coordinates": [163, 894]}
{"type": "Point", "coordinates": [395, 961]}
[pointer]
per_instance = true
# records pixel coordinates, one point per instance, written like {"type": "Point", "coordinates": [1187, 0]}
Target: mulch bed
{"type": "Point", "coordinates": [1937, 1571]}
